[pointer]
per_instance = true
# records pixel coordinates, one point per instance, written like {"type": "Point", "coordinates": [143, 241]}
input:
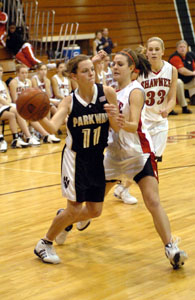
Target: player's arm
{"type": "Point", "coordinates": [111, 108]}
{"type": "Point", "coordinates": [184, 71]}
{"type": "Point", "coordinates": [171, 97]}
{"type": "Point", "coordinates": [48, 87]}
{"type": "Point", "coordinates": [34, 82]}
{"type": "Point", "coordinates": [58, 119]}
{"type": "Point", "coordinates": [55, 88]}
{"type": "Point", "coordinates": [179, 65]}
{"type": "Point", "coordinates": [136, 103]}
{"type": "Point", "coordinates": [12, 87]}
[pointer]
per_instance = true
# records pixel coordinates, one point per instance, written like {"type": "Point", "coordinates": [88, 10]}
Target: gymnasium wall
{"type": "Point", "coordinates": [130, 22]}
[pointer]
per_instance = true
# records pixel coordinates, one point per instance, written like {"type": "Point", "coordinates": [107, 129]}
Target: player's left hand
{"type": "Point", "coordinates": [164, 113]}
{"type": "Point", "coordinates": [111, 110]}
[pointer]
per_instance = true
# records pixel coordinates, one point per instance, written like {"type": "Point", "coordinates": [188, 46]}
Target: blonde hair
{"type": "Point", "coordinates": [181, 42]}
{"type": "Point", "coordinates": [157, 39]}
{"type": "Point", "coordinates": [19, 67]}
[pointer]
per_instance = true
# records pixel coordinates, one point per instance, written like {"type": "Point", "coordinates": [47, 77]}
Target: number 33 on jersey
{"type": "Point", "coordinates": [156, 86]}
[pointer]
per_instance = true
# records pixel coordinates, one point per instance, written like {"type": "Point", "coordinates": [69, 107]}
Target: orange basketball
{"type": "Point", "coordinates": [33, 104]}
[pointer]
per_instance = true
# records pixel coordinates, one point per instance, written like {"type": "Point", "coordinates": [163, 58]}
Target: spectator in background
{"type": "Point", "coordinates": [97, 43]}
{"type": "Point", "coordinates": [3, 21]}
{"type": "Point", "coordinates": [184, 61]}
{"type": "Point", "coordinates": [20, 48]}
{"type": "Point", "coordinates": [107, 41]}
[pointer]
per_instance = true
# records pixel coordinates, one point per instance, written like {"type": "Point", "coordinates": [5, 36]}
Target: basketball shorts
{"type": "Point", "coordinates": [4, 108]}
{"type": "Point", "coordinates": [82, 176]}
{"type": "Point", "coordinates": [158, 132]}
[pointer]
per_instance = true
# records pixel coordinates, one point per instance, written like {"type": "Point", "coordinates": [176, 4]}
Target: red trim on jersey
{"type": "Point", "coordinates": [143, 140]}
{"type": "Point", "coordinates": [154, 165]}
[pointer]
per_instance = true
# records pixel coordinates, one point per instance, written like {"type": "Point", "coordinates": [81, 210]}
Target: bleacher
{"type": "Point", "coordinates": [130, 23]}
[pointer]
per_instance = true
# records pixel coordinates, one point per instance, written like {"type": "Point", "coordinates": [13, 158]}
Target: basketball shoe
{"type": "Point", "coordinates": [82, 225]}
{"type": "Point", "coordinates": [61, 237]}
{"type": "Point", "coordinates": [123, 194]}
{"type": "Point", "coordinates": [19, 143]}
{"type": "Point", "coordinates": [176, 256]}
{"type": "Point", "coordinates": [3, 146]}
{"type": "Point", "coordinates": [51, 138]}
{"type": "Point", "coordinates": [46, 252]}
{"type": "Point", "coordinates": [33, 141]}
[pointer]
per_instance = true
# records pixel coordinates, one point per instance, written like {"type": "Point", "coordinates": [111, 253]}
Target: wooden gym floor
{"type": "Point", "coordinates": [120, 256]}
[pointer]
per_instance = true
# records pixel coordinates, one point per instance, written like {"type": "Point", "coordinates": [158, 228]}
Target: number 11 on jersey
{"type": "Point", "coordinates": [86, 136]}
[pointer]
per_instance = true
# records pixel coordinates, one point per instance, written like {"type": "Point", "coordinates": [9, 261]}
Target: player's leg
{"type": "Point", "coordinates": [47, 138]}
{"type": "Point", "coordinates": [181, 97]}
{"type": "Point", "coordinates": [16, 142]}
{"type": "Point", "coordinates": [29, 55]}
{"type": "Point", "coordinates": [122, 192]}
{"type": "Point", "coordinates": [149, 188]}
{"type": "Point", "coordinates": [21, 58]}
{"type": "Point", "coordinates": [44, 248]}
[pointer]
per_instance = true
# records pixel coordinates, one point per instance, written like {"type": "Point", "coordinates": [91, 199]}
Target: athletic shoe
{"type": "Point", "coordinates": [61, 237]}
{"type": "Point", "coordinates": [82, 225]}
{"type": "Point", "coordinates": [51, 139]}
{"type": "Point", "coordinates": [3, 146]}
{"type": "Point", "coordinates": [46, 252]}
{"type": "Point", "coordinates": [33, 141]}
{"type": "Point", "coordinates": [186, 110]}
{"type": "Point", "coordinates": [173, 113]}
{"type": "Point", "coordinates": [19, 143]}
{"type": "Point", "coordinates": [123, 194]}
{"type": "Point", "coordinates": [176, 256]}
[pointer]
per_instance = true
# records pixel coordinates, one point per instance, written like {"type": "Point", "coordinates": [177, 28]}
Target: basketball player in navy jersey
{"type": "Point", "coordinates": [82, 178]}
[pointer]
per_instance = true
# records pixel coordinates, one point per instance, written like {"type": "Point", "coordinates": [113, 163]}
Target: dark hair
{"type": "Point", "coordinates": [72, 65]}
{"type": "Point", "coordinates": [59, 63]}
{"type": "Point", "coordinates": [138, 59]}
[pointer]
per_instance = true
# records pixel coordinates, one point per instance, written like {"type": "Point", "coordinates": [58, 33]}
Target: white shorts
{"type": "Point", "coordinates": [4, 108]}
{"type": "Point", "coordinates": [119, 168]}
{"type": "Point", "coordinates": [158, 132]}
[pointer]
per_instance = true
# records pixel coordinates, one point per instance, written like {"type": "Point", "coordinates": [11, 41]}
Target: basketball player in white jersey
{"type": "Point", "coordinates": [17, 85]}
{"type": "Point", "coordinates": [41, 81]}
{"type": "Point", "coordinates": [108, 73]}
{"type": "Point", "coordinates": [130, 154]}
{"type": "Point", "coordinates": [8, 112]}
{"type": "Point", "coordinates": [83, 177]}
{"type": "Point", "coordinates": [160, 90]}
{"type": "Point", "coordinates": [61, 84]}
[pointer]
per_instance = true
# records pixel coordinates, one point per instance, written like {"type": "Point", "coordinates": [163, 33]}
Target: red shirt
{"type": "Point", "coordinates": [177, 62]}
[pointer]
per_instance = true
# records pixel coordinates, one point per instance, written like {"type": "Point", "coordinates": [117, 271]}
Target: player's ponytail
{"type": "Point", "coordinates": [142, 65]}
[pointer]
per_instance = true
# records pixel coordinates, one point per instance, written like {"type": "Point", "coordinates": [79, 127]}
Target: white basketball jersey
{"type": "Point", "coordinates": [132, 143]}
{"type": "Point", "coordinates": [3, 93]}
{"type": "Point", "coordinates": [22, 85]}
{"type": "Point", "coordinates": [109, 79]}
{"type": "Point", "coordinates": [63, 85]}
{"type": "Point", "coordinates": [156, 86]}
{"type": "Point", "coordinates": [41, 84]}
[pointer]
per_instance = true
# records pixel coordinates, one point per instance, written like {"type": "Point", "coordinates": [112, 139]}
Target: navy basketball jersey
{"type": "Point", "coordinates": [88, 123]}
